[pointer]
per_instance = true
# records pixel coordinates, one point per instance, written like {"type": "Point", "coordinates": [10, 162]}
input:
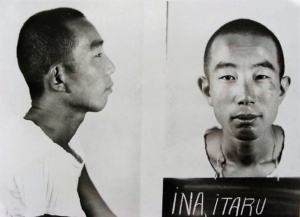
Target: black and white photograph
{"type": "Point", "coordinates": [222, 123]}
{"type": "Point", "coordinates": [70, 108]}
{"type": "Point", "coordinates": [150, 108]}
{"type": "Point", "coordinates": [225, 115]}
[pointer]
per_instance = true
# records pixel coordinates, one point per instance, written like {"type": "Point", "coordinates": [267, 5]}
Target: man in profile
{"type": "Point", "coordinates": [61, 56]}
{"type": "Point", "coordinates": [245, 84]}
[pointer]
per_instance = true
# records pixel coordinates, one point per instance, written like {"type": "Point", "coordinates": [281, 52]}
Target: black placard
{"type": "Point", "coordinates": [231, 197]}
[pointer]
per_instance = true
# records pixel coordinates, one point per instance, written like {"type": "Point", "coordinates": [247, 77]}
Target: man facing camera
{"type": "Point", "coordinates": [244, 83]}
{"type": "Point", "coordinates": [60, 54]}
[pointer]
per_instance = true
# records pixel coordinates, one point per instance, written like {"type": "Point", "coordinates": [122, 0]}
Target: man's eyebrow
{"type": "Point", "coordinates": [265, 64]}
{"type": "Point", "coordinates": [222, 65]}
{"type": "Point", "coordinates": [96, 43]}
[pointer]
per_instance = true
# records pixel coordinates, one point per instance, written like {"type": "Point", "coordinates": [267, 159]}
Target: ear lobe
{"type": "Point", "coordinates": [204, 87]}
{"type": "Point", "coordinates": [56, 78]}
{"type": "Point", "coordinates": [284, 86]}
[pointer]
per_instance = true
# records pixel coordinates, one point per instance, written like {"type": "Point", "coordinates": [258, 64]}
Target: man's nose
{"type": "Point", "coordinates": [110, 67]}
{"type": "Point", "coordinates": [245, 93]}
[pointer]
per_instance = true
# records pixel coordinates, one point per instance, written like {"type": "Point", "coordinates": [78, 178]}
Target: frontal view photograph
{"type": "Point", "coordinates": [231, 144]}
{"type": "Point", "coordinates": [244, 65]}
{"type": "Point", "coordinates": [245, 84]}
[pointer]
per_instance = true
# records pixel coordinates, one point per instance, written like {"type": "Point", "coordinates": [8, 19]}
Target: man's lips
{"type": "Point", "coordinates": [110, 86]}
{"type": "Point", "coordinates": [246, 119]}
{"type": "Point", "coordinates": [246, 116]}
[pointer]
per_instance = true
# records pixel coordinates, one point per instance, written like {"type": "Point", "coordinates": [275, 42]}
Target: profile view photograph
{"type": "Point", "coordinates": [245, 84]}
{"type": "Point", "coordinates": [61, 56]}
{"type": "Point", "coordinates": [70, 122]}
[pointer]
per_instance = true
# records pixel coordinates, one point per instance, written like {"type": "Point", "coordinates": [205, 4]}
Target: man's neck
{"type": "Point", "coordinates": [247, 153]}
{"type": "Point", "coordinates": [58, 121]}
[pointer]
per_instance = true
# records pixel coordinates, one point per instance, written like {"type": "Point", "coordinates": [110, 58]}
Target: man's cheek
{"type": "Point", "coordinates": [268, 95]}
{"type": "Point", "coordinates": [220, 113]}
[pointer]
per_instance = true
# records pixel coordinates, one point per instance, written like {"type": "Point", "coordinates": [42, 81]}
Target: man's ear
{"type": "Point", "coordinates": [284, 86]}
{"type": "Point", "coordinates": [204, 87]}
{"type": "Point", "coordinates": [57, 78]}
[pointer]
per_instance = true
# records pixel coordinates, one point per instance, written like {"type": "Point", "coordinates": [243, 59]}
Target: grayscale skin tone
{"type": "Point", "coordinates": [69, 95]}
{"type": "Point", "coordinates": [245, 90]}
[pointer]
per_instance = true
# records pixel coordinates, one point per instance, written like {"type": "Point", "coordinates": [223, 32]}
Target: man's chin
{"type": "Point", "coordinates": [99, 107]}
{"type": "Point", "coordinates": [246, 134]}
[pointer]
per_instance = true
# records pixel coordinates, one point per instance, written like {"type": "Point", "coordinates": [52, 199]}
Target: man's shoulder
{"type": "Point", "coordinates": [28, 154]}
{"type": "Point", "coordinates": [33, 168]}
{"type": "Point", "coordinates": [23, 143]}
{"type": "Point", "coordinates": [19, 130]}
{"type": "Point", "coordinates": [25, 135]}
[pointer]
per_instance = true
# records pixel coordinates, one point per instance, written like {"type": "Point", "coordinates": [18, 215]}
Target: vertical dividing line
{"type": "Point", "coordinates": [167, 22]}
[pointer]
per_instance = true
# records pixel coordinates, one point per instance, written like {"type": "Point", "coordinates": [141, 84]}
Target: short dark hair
{"type": "Point", "coordinates": [45, 40]}
{"type": "Point", "coordinates": [244, 26]}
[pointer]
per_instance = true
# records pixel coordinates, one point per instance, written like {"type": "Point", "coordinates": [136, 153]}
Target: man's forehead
{"type": "Point", "coordinates": [243, 41]}
{"type": "Point", "coordinates": [242, 46]}
{"type": "Point", "coordinates": [85, 33]}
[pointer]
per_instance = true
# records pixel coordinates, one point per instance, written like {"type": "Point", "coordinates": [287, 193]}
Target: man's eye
{"type": "Point", "coordinates": [228, 78]}
{"type": "Point", "coordinates": [261, 77]}
{"type": "Point", "coordinates": [99, 55]}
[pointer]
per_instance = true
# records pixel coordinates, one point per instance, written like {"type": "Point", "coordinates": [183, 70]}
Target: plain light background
{"type": "Point", "coordinates": [111, 138]}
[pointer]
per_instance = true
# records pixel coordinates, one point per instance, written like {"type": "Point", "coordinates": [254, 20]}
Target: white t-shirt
{"type": "Point", "coordinates": [40, 177]}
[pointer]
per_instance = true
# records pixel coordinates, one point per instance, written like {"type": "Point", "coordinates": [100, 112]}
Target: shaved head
{"type": "Point", "coordinates": [244, 27]}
